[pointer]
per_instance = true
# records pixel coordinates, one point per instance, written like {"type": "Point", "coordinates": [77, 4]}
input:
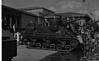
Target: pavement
{"type": "Point", "coordinates": [25, 54]}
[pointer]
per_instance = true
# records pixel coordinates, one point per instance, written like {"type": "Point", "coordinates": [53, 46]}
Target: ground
{"type": "Point", "coordinates": [25, 54]}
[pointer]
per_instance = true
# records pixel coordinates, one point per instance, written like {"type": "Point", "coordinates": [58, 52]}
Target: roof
{"type": "Point", "coordinates": [70, 13]}
{"type": "Point", "coordinates": [67, 14]}
{"type": "Point", "coordinates": [17, 10]}
{"type": "Point", "coordinates": [34, 8]}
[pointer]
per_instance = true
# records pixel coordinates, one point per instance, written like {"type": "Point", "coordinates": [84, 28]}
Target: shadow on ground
{"type": "Point", "coordinates": [65, 56]}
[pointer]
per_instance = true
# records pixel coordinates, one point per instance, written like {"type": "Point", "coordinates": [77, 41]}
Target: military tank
{"type": "Point", "coordinates": [57, 32]}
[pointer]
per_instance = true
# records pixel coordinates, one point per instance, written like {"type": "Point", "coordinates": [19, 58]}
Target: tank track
{"type": "Point", "coordinates": [56, 45]}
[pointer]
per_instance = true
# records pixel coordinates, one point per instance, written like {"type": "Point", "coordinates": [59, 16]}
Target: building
{"type": "Point", "coordinates": [14, 17]}
{"type": "Point", "coordinates": [40, 12]}
{"type": "Point", "coordinates": [28, 19]}
{"type": "Point", "coordinates": [10, 17]}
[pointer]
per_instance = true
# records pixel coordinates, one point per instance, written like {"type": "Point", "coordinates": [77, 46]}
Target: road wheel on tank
{"type": "Point", "coordinates": [68, 48]}
{"type": "Point", "coordinates": [47, 43]}
{"type": "Point", "coordinates": [43, 45]}
{"type": "Point", "coordinates": [29, 43]}
{"type": "Point", "coordinates": [58, 47]}
{"type": "Point", "coordinates": [52, 46]}
{"type": "Point", "coordinates": [73, 43]}
{"type": "Point", "coordinates": [33, 42]}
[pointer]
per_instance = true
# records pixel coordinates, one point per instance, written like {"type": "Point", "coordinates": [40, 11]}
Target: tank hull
{"type": "Point", "coordinates": [50, 41]}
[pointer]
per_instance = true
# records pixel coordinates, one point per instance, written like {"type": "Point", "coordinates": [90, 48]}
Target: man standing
{"type": "Point", "coordinates": [17, 35]}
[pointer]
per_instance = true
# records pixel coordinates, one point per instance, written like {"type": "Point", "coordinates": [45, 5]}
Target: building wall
{"type": "Point", "coordinates": [39, 12]}
{"type": "Point", "coordinates": [26, 19]}
{"type": "Point", "coordinates": [10, 17]}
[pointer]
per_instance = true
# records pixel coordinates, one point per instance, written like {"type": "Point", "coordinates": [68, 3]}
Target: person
{"type": "Point", "coordinates": [17, 36]}
{"type": "Point", "coordinates": [14, 28]}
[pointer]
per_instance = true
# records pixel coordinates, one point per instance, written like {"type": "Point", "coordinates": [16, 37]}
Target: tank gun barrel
{"type": "Point", "coordinates": [91, 24]}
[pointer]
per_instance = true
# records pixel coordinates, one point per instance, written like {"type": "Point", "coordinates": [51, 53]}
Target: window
{"type": "Point", "coordinates": [5, 22]}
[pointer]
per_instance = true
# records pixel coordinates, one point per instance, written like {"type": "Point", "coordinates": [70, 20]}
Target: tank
{"type": "Point", "coordinates": [57, 32]}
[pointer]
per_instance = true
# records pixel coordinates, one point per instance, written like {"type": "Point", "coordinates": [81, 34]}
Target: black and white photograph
{"type": "Point", "coordinates": [50, 30]}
